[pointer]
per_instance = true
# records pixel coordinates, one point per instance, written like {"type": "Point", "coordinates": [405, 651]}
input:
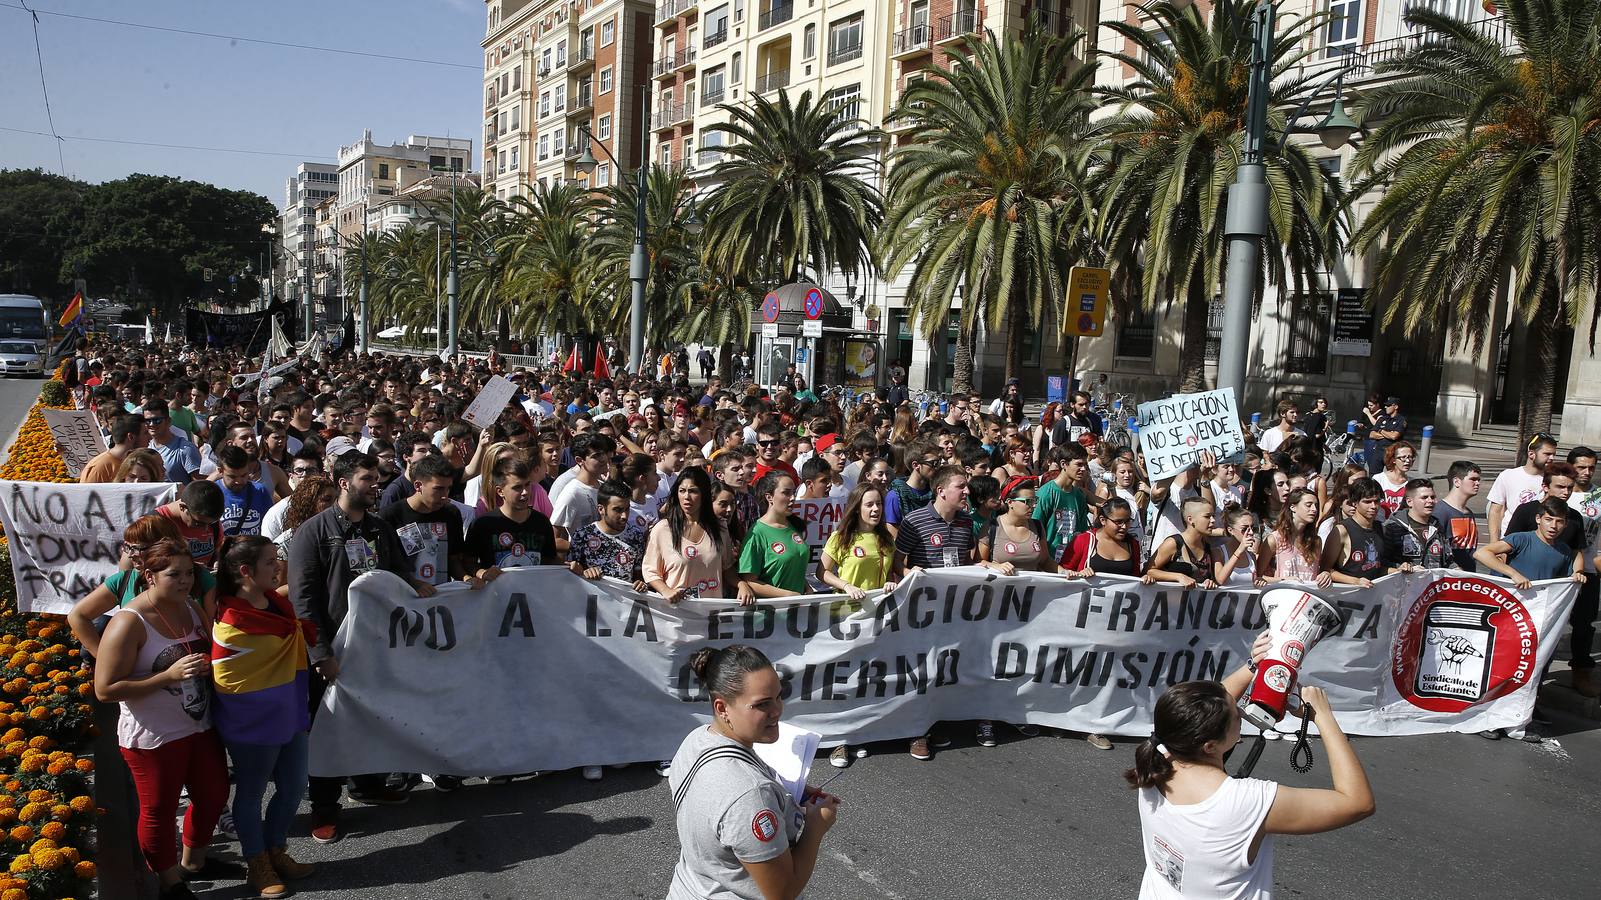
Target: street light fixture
{"type": "Point", "coordinates": [638, 265]}
{"type": "Point", "coordinates": [1245, 223]}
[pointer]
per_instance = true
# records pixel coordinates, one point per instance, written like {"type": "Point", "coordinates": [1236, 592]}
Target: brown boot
{"type": "Point", "coordinates": [286, 865]}
{"type": "Point", "coordinates": [1584, 681]}
{"type": "Point", "coordinates": [263, 879]}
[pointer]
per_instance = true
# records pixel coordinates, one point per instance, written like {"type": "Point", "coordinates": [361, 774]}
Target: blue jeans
{"type": "Point", "coordinates": [285, 766]}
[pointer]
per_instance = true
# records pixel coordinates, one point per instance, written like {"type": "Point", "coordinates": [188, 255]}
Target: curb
{"type": "Point", "coordinates": [1561, 695]}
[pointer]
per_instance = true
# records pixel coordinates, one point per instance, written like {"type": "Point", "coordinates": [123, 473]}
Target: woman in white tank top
{"type": "Point", "coordinates": [1206, 834]}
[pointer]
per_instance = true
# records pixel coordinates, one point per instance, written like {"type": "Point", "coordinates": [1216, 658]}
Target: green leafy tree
{"type": "Point", "coordinates": [670, 249]}
{"type": "Point", "coordinates": [1490, 158]}
{"type": "Point", "coordinates": [550, 261]}
{"type": "Point", "coordinates": [1171, 150]}
{"type": "Point", "coordinates": [989, 192]}
{"type": "Point", "coordinates": [39, 215]}
{"type": "Point", "coordinates": [795, 193]}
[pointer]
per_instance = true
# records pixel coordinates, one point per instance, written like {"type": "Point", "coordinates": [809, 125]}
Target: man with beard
{"type": "Point", "coordinates": [328, 552]}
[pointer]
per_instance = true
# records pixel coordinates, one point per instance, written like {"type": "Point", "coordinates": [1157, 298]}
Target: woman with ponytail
{"type": "Point", "coordinates": [1206, 834]}
{"type": "Point", "coordinates": [740, 831]}
{"type": "Point", "coordinates": [262, 686]}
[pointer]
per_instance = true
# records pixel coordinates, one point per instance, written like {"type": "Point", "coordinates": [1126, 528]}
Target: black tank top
{"type": "Point", "coordinates": [1367, 551]}
{"type": "Point", "coordinates": [1185, 567]}
{"type": "Point", "coordinates": [1100, 565]}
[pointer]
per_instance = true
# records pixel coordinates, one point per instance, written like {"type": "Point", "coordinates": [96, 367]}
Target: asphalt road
{"type": "Point", "coordinates": [16, 398]}
{"type": "Point", "coordinates": [1046, 817]}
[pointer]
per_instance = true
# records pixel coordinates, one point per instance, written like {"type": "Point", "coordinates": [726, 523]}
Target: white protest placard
{"type": "Point", "coordinates": [78, 436]}
{"type": "Point", "coordinates": [1175, 431]}
{"type": "Point", "coordinates": [487, 406]}
{"type": "Point", "coordinates": [66, 538]}
{"type": "Point", "coordinates": [480, 682]}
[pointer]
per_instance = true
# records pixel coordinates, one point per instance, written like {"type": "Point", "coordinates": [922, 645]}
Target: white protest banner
{"type": "Point", "coordinates": [66, 538]}
{"type": "Point", "coordinates": [1175, 431]}
{"type": "Point", "coordinates": [543, 670]}
{"type": "Point", "coordinates": [487, 406]}
{"type": "Point", "coordinates": [78, 435]}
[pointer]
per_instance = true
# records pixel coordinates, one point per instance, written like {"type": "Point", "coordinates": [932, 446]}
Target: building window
{"type": "Point", "coordinates": [711, 87]}
{"type": "Point", "coordinates": [544, 147]}
{"type": "Point", "coordinates": [436, 162]}
{"type": "Point", "coordinates": [603, 127]}
{"type": "Point", "coordinates": [1309, 335]}
{"type": "Point", "coordinates": [544, 104]}
{"type": "Point", "coordinates": [847, 100]}
{"type": "Point", "coordinates": [561, 53]}
{"type": "Point", "coordinates": [383, 171]}
{"type": "Point", "coordinates": [502, 162]}
{"type": "Point", "coordinates": [516, 118]}
{"type": "Point", "coordinates": [665, 157]}
{"type": "Point", "coordinates": [561, 99]}
{"type": "Point", "coordinates": [845, 40]}
{"type": "Point", "coordinates": [517, 78]}
{"type": "Point", "coordinates": [1343, 33]}
{"type": "Point", "coordinates": [809, 42]}
{"type": "Point", "coordinates": [544, 62]}
{"type": "Point", "coordinates": [603, 175]}
{"type": "Point", "coordinates": [689, 150]}
{"type": "Point", "coordinates": [500, 121]}
{"type": "Point", "coordinates": [1136, 336]}
{"type": "Point", "coordinates": [739, 10]}
{"type": "Point", "coordinates": [608, 33]}
{"type": "Point", "coordinates": [555, 142]}
{"type": "Point", "coordinates": [1214, 329]}
{"type": "Point", "coordinates": [716, 26]}
{"type": "Point", "coordinates": [605, 80]}
{"type": "Point", "coordinates": [733, 70]}
{"type": "Point", "coordinates": [514, 156]}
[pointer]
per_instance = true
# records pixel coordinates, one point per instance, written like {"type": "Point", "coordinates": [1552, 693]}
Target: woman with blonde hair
{"type": "Point", "coordinates": [142, 466]}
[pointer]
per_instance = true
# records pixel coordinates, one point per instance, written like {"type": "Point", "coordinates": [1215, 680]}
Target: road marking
{"type": "Point", "coordinates": [865, 875]}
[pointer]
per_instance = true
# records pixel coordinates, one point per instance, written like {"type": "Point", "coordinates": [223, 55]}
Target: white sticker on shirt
{"type": "Point", "coordinates": [1168, 862]}
{"type": "Point", "coordinates": [412, 539]}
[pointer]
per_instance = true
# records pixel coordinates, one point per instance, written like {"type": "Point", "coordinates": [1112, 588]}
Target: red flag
{"type": "Point", "coordinates": [572, 364]}
{"type": "Point", "coordinates": [602, 370]}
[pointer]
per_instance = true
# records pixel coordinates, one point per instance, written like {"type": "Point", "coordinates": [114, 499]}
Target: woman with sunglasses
{"type": "Point", "coordinates": [1015, 538]}
{"type": "Point", "coordinates": [1019, 461]}
{"type": "Point", "coordinates": [1398, 459]}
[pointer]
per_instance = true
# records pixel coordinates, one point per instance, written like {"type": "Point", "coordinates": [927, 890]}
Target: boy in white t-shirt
{"type": "Point", "coordinates": [1515, 487]}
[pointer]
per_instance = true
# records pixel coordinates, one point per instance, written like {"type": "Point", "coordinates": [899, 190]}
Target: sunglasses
{"type": "Point", "coordinates": [155, 420]}
{"type": "Point", "coordinates": [767, 443]}
{"type": "Point", "coordinates": [1539, 438]}
{"type": "Point", "coordinates": [1026, 501]}
{"type": "Point", "coordinates": [926, 462]}
{"type": "Point", "coordinates": [303, 470]}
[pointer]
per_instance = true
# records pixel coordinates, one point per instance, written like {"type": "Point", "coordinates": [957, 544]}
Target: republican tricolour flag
{"type": "Point", "coordinates": [73, 312]}
{"type": "Point", "coordinates": [258, 667]}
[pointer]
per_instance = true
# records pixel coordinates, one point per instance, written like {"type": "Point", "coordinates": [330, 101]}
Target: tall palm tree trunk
{"type": "Point", "coordinates": [1540, 381]}
{"type": "Point", "coordinates": [962, 374]}
{"type": "Point", "coordinates": [1192, 354]}
{"type": "Point", "coordinates": [1014, 331]}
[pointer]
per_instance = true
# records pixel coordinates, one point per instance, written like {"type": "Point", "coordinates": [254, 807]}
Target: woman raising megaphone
{"type": "Point", "coordinates": [1206, 834]}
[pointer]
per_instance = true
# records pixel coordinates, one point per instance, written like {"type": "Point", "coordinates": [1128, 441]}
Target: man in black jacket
{"type": "Point", "coordinates": [328, 552]}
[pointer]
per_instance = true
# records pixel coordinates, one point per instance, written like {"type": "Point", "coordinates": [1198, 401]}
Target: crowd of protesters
{"type": "Point", "coordinates": [290, 488]}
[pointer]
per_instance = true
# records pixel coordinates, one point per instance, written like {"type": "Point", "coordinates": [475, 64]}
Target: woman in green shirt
{"type": "Point", "coordinates": [123, 585]}
{"type": "Point", "coordinates": [773, 560]}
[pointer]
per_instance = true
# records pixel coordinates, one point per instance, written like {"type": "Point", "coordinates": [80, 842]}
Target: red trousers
{"type": "Point", "coordinates": [159, 775]}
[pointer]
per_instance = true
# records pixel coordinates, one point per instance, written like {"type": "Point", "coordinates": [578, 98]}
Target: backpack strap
{"type": "Point", "coordinates": [720, 752]}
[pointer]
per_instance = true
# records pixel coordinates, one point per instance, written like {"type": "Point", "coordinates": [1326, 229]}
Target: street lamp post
{"type": "Point", "coordinates": [361, 300]}
{"type": "Point", "coordinates": [638, 263]}
{"type": "Point", "coordinates": [1245, 222]}
{"type": "Point", "coordinates": [450, 282]}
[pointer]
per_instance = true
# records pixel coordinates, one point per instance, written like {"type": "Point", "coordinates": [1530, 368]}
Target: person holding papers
{"type": "Point", "coordinates": [740, 831]}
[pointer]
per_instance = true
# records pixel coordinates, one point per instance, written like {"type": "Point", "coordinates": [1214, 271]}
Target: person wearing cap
{"type": "Point", "coordinates": [1387, 428]}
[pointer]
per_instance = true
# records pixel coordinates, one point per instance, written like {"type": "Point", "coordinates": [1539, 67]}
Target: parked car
{"type": "Point", "coordinates": [21, 358]}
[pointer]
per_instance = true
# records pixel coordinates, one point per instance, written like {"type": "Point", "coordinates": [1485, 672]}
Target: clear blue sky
{"type": "Point", "coordinates": [112, 81]}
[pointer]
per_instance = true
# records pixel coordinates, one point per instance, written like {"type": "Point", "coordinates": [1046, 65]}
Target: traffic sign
{"type": "Point", "coordinates": [770, 306]}
{"type": "Point", "coordinates": [812, 328]}
{"type": "Point", "coordinates": [1088, 290]}
{"type": "Point", "coordinates": [770, 330]}
{"type": "Point", "coordinates": [814, 304]}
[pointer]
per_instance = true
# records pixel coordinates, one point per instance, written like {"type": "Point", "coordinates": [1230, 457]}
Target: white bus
{"type": "Point", "coordinates": [23, 318]}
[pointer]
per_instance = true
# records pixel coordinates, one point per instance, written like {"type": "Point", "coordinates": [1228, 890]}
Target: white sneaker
{"type": "Point", "coordinates": [664, 768]}
{"type": "Point", "coordinates": [592, 773]}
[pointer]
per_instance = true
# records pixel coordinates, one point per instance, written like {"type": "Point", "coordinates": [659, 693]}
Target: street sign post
{"type": "Point", "coordinates": [1088, 290]}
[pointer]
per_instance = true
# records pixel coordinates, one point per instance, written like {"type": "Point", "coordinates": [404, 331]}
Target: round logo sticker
{"type": "Point", "coordinates": [505, 539]}
{"type": "Point", "coordinates": [937, 540]}
{"type": "Point", "coordinates": [1464, 641]}
{"type": "Point", "coordinates": [858, 552]}
{"type": "Point", "coordinates": [691, 551]}
{"type": "Point", "coordinates": [764, 826]}
{"type": "Point", "coordinates": [1277, 678]}
{"type": "Point", "coordinates": [1294, 651]}
{"type": "Point", "coordinates": [1011, 547]}
{"type": "Point", "coordinates": [799, 539]}
{"type": "Point", "coordinates": [779, 547]}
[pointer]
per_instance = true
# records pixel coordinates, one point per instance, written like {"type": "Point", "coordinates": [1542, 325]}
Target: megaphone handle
{"type": "Point", "coordinates": [1251, 756]}
{"type": "Point", "coordinates": [1302, 745]}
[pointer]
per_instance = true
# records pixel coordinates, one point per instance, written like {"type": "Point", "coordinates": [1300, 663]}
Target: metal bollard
{"type": "Point", "coordinates": [1424, 446]}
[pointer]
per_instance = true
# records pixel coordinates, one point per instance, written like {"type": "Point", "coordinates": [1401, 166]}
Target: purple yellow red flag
{"type": "Point", "coordinates": [73, 312]}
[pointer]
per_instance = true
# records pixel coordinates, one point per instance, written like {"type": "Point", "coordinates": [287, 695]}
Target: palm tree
{"type": "Point", "coordinates": [550, 261]}
{"type": "Point", "coordinates": [795, 192]}
{"type": "Point", "coordinates": [480, 220]}
{"type": "Point", "coordinates": [1171, 151]}
{"type": "Point", "coordinates": [988, 193]}
{"type": "Point", "coordinates": [716, 311]}
{"type": "Point", "coordinates": [1492, 157]}
{"type": "Point", "coordinates": [670, 250]}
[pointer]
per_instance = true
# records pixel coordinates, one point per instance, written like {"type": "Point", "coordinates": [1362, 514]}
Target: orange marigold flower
{"type": "Point", "coordinates": [42, 845]}
{"type": "Point", "coordinates": [35, 763]}
{"type": "Point", "coordinates": [15, 894]}
{"type": "Point", "coordinates": [33, 812]}
{"type": "Point", "coordinates": [33, 670]}
{"type": "Point", "coordinates": [82, 804]}
{"type": "Point", "coordinates": [84, 765]}
{"type": "Point", "coordinates": [50, 860]}
{"type": "Point", "coordinates": [38, 741]}
{"type": "Point", "coordinates": [60, 811]}
{"type": "Point", "coordinates": [40, 795]}
{"type": "Point", "coordinates": [8, 814]}
{"type": "Point", "coordinates": [15, 734]}
{"type": "Point", "coordinates": [22, 834]}
{"type": "Point", "coordinates": [22, 863]}
{"type": "Point", "coordinates": [55, 831]}
{"type": "Point", "coordinates": [58, 768]}
{"type": "Point", "coordinates": [84, 870]}
{"type": "Point", "coordinates": [86, 690]}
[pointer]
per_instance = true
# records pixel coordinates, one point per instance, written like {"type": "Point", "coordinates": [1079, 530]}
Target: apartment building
{"type": "Point", "coordinates": [311, 184]}
{"type": "Point", "coordinates": [369, 171]}
{"type": "Point", "coordinates": [553, 69]}
{"type": "Point", "coordinates": [1332, 343]}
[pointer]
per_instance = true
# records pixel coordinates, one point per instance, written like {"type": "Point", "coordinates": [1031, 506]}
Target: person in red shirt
{"type": "Point", "coordinates": [198, 513]}
{"type": "Point", "coordinates": [769, 446]}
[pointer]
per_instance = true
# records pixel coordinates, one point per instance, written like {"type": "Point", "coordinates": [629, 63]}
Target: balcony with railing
{"type": "Point", "coordinates": [667, 65]}
{"type": "Point", "coordinates": [582, 100]}
{"type": "Point", "coordinates": [956, 26]}
{"type": "Point", "coordinates": [711, 98]}
{"type": "Point", "coordinates": [845, 54]}
{"type": "Point", "coordinates": [1050, 22]}
{"type": "Point", "coordinates": [666, 12]}
{"type": "Point", "coordinates": [776, 14]}
{"type": "Point", "coordinates": [1365, 59]}
{"type": "Point", "coordinates": [772, 81]}
{"type": "Point", "coordinates": [715, 38]}
{"type": "Point", "coordinates": [911, 41]}
{"type": "Point", "coordinates": [582, 58]}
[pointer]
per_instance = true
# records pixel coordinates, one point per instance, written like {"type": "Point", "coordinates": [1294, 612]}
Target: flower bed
{"type": "Point", "coordinates": [47, 811]}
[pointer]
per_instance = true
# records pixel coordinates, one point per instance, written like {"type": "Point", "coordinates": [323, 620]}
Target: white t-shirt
{"type": "Point", "coordinates": [577, 506]}
{"type": "Point", "coordinates": [560, 484]}
{"type": "Point", "coordinates": [1203, 849]}
{"type": "Point", "coordinates": [1515, 487]}
{"type": "Point", "coordinates": [1272, 439]}
{"type": "Point", "coordinates": [272, 524]}
{"type": "Point", "coordinates": [1394, 494]}
{"type": "Point", "coordinates": [1588, 505]}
